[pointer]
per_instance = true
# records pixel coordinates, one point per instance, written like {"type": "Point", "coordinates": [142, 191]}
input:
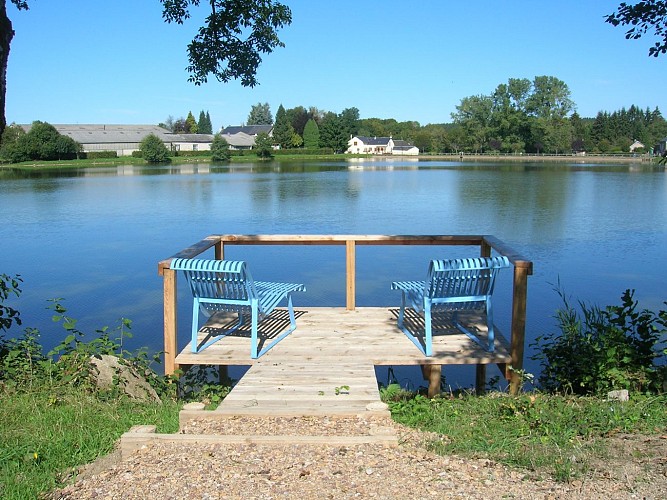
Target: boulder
{"type": "Point", "coordinates": [108, 370]}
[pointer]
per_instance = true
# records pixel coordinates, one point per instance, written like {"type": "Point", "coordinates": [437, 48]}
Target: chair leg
{"type": "Point", "coordinates": [292, 318]}
{"type": "Point", "coordinates": [428, 334]}
{"type": "Point", "coordinates": [290, 310]}
{"type": "Point", "coordinates": [489, 325]}
{"type": "Point", "coordinates": [401, 313]}
{"type": "Point", "coordinates": [195, 325]}
{"type": "Point", "coordinates": [253, 337]}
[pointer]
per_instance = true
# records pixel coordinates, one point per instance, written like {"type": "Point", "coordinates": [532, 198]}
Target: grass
{"type": "Point", "coordinates": [552, 434]}
{"type": "Point", "coordinates": [45, 436]}
{"type": "Point", "coordinates": [130, 160]}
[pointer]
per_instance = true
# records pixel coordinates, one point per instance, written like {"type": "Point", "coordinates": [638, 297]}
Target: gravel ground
{"type": "Point", "coordinates": [638, 468]}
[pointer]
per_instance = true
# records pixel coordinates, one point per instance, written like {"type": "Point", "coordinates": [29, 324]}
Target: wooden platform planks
{"type": "Point", "coordinates": [272, 387]}
{"type": "Point", "coordinates": [332, 336]}
{"type": "Point", "coordinates": [326, 366]}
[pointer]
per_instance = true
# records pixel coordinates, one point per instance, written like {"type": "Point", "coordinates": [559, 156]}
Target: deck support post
{"type": "Point", "coordinates": [432, 373]}
{"type": "Point", "coordinates": [517, 341]}
{"type": "Point", "coordinates": [170, 321]}
{"type": "Point", "coordinates": [480, 380]}
{"type": "Point", "coordinates": [223, 375]}
{"type": "Point", "coordinates": [350, 260]}
{"type": "Point", "coordinates": [480, 372]}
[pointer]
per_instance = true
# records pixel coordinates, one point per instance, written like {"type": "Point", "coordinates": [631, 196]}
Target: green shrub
{"type": "Point", "coordinates": [263, 146]}
{"type": "Point", "coordinates": [200, 153]}
{"type": "Point", "coordinates": [91, 155]}
{"type": "Point", "coordinates": [153, 149]}
{"type": "Point", "coordinates": [598, 350]}
{"type": "Point", "coordinates": [219, 148]}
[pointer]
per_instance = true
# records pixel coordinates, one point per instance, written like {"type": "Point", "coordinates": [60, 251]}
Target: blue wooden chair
{"type": "Point", "coordinates": [451, 285]}
{"type": "Point", "coordinates": [226, 285]}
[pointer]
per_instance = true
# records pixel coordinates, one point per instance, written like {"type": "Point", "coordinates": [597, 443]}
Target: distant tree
{"type": "Point", "coordinates": [297, 140]}
{"type": "Point", "coordinates": [153, 149]}
{"type": "Point", "coordinates": [9, 144]}
{"type": "Point", "coordinates": [191, 123]}
{"type": "Point", "coordinates": [180, 126]}
{"type": "Point", "coordinates": [550, 98]}
{"type": "Point", "coordinates": [350, 121]}
{"type": "Point", "coordinates": [264, 145]}
{"type": "Point", "coordinates": [643, 17]}
{"type": "Point", "coordinates": [168, 123]}
{"type": "Point", "coordinates": [282, 129]}
{"type": "Point", "coordinates": [333, 133]}
{"type": "Point", "coordinates": [204, 125]}
{"type": "Point", "coordinates": [298, 117]}
{"type": "Point", "coordinates": [311, 135]}
{"type": "Point", "coordinates": [209, 124]}
{"type": "Point", "coordinates": [42, 142]}
{"type": "Point", "coordinates": [474, 117]}
{"type": "Point", "coordinates": [260, 114]}
{"type": "Point", "coordinates": [423, 140]}
{"type": "Point", "coordinates": [219, 148]}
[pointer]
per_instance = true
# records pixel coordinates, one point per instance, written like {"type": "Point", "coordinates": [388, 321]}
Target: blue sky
{"type": "Point", "coordinates": [93, 61]}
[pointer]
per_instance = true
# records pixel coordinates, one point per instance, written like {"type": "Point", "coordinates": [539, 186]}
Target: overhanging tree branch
{"type": "Point", "coordinates": [642, 17]}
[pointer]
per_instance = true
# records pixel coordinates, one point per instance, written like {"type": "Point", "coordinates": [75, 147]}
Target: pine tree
{"type": "Point", "coordinates": [311, 135]}
{"type": "Point", "coordinates": [282, 130]}
{"type": "Point", "coordinates": [191, 123]}
{"type": "Point", "coordinates": [209, 125]}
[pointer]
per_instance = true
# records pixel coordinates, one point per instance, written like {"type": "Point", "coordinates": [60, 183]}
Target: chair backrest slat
{"type": "Point", "coordinates": [463, 277]}
{"type": "Point", "coordinates": [219, 279]}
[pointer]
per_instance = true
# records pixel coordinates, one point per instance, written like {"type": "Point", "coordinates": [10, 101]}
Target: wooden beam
{"type": "Point", "coordinates": [170, 321]}
{"type": "Point", "coordinates": [350, 261]}
{"type": "Point", "coordinates": [518, 334]}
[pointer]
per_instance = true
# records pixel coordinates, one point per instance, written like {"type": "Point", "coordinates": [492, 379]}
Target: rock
{"type": "Point", "coordinates": [621, 395]}
{"type": "Point", "coordinates": [108, 370]}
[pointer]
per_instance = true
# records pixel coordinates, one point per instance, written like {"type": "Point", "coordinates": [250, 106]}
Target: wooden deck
{"type": "Point", "coordinates": [326, 366]}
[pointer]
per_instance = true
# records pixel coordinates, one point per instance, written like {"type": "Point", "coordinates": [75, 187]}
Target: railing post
{"type": "Point", "coordinates": [518, 327]}
{"type": "Point", "coordinates": [170, 323]}
{"type": "Point", "coordinates": [350, 260]}
{"type": "Point", "coordinates": [220, 250]}
{"type": "Point", "coordinates": [480, 371]}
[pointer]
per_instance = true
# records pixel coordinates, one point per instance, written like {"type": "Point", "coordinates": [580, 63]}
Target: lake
{"type": "Point", "coordinates": [94, 236]}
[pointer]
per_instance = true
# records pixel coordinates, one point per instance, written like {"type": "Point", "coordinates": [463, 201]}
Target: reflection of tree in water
{"type": "Point", "coordinates": [286, 187]}
{"type": "Point", "coordinates": [500, 194]}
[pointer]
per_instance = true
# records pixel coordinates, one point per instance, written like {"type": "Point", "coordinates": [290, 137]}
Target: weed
{"type": "Point", "coordinates": [598, 350]}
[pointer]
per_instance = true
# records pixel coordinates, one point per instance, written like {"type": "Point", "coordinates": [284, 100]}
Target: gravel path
{"type": "Point", "coordinates": [168, 471]}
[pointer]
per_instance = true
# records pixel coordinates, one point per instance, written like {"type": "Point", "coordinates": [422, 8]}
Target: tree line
{"type": "Point", "coordinates": [519, 116]}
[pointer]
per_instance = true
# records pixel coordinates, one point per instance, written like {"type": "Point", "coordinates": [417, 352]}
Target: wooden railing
{"type": "Point", "coordinates": [522, 269]}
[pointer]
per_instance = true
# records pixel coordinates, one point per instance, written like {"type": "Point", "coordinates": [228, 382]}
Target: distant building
{"type": "Point", "coordinates": [124, 139]}
{"type": "Point", "coordinates": [380, 146]}
{"type": "Point", "coordinates": [636, 145]}
{"type": "Point", "coordinates": [661, 147]}
{"type": "Point", "coordinates": [243, 136]}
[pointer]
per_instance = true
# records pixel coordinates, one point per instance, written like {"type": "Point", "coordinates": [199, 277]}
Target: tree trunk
{"type": "Point", "coordinates": [6, 35]}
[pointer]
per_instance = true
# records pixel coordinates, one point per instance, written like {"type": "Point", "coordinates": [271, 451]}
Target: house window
{"type": "Point", "coordinates": [355, 143]}
{"type": "Point", "coordinates": [194, 147]}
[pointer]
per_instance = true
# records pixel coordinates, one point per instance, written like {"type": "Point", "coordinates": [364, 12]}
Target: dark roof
{"type": "Point", "coordinates": [374, 141]}
{"type": "Point", "coordinates": [248, 129]}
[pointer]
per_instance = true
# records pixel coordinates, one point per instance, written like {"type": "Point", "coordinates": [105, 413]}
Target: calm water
{"type": "Point", "coordinates": [94, 237]}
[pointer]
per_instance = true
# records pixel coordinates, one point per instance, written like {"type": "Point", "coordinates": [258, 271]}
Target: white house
{"type": "Point", "coordinates": [636, 145]}
{"type": "Point", "coordinates": [380, 146]}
